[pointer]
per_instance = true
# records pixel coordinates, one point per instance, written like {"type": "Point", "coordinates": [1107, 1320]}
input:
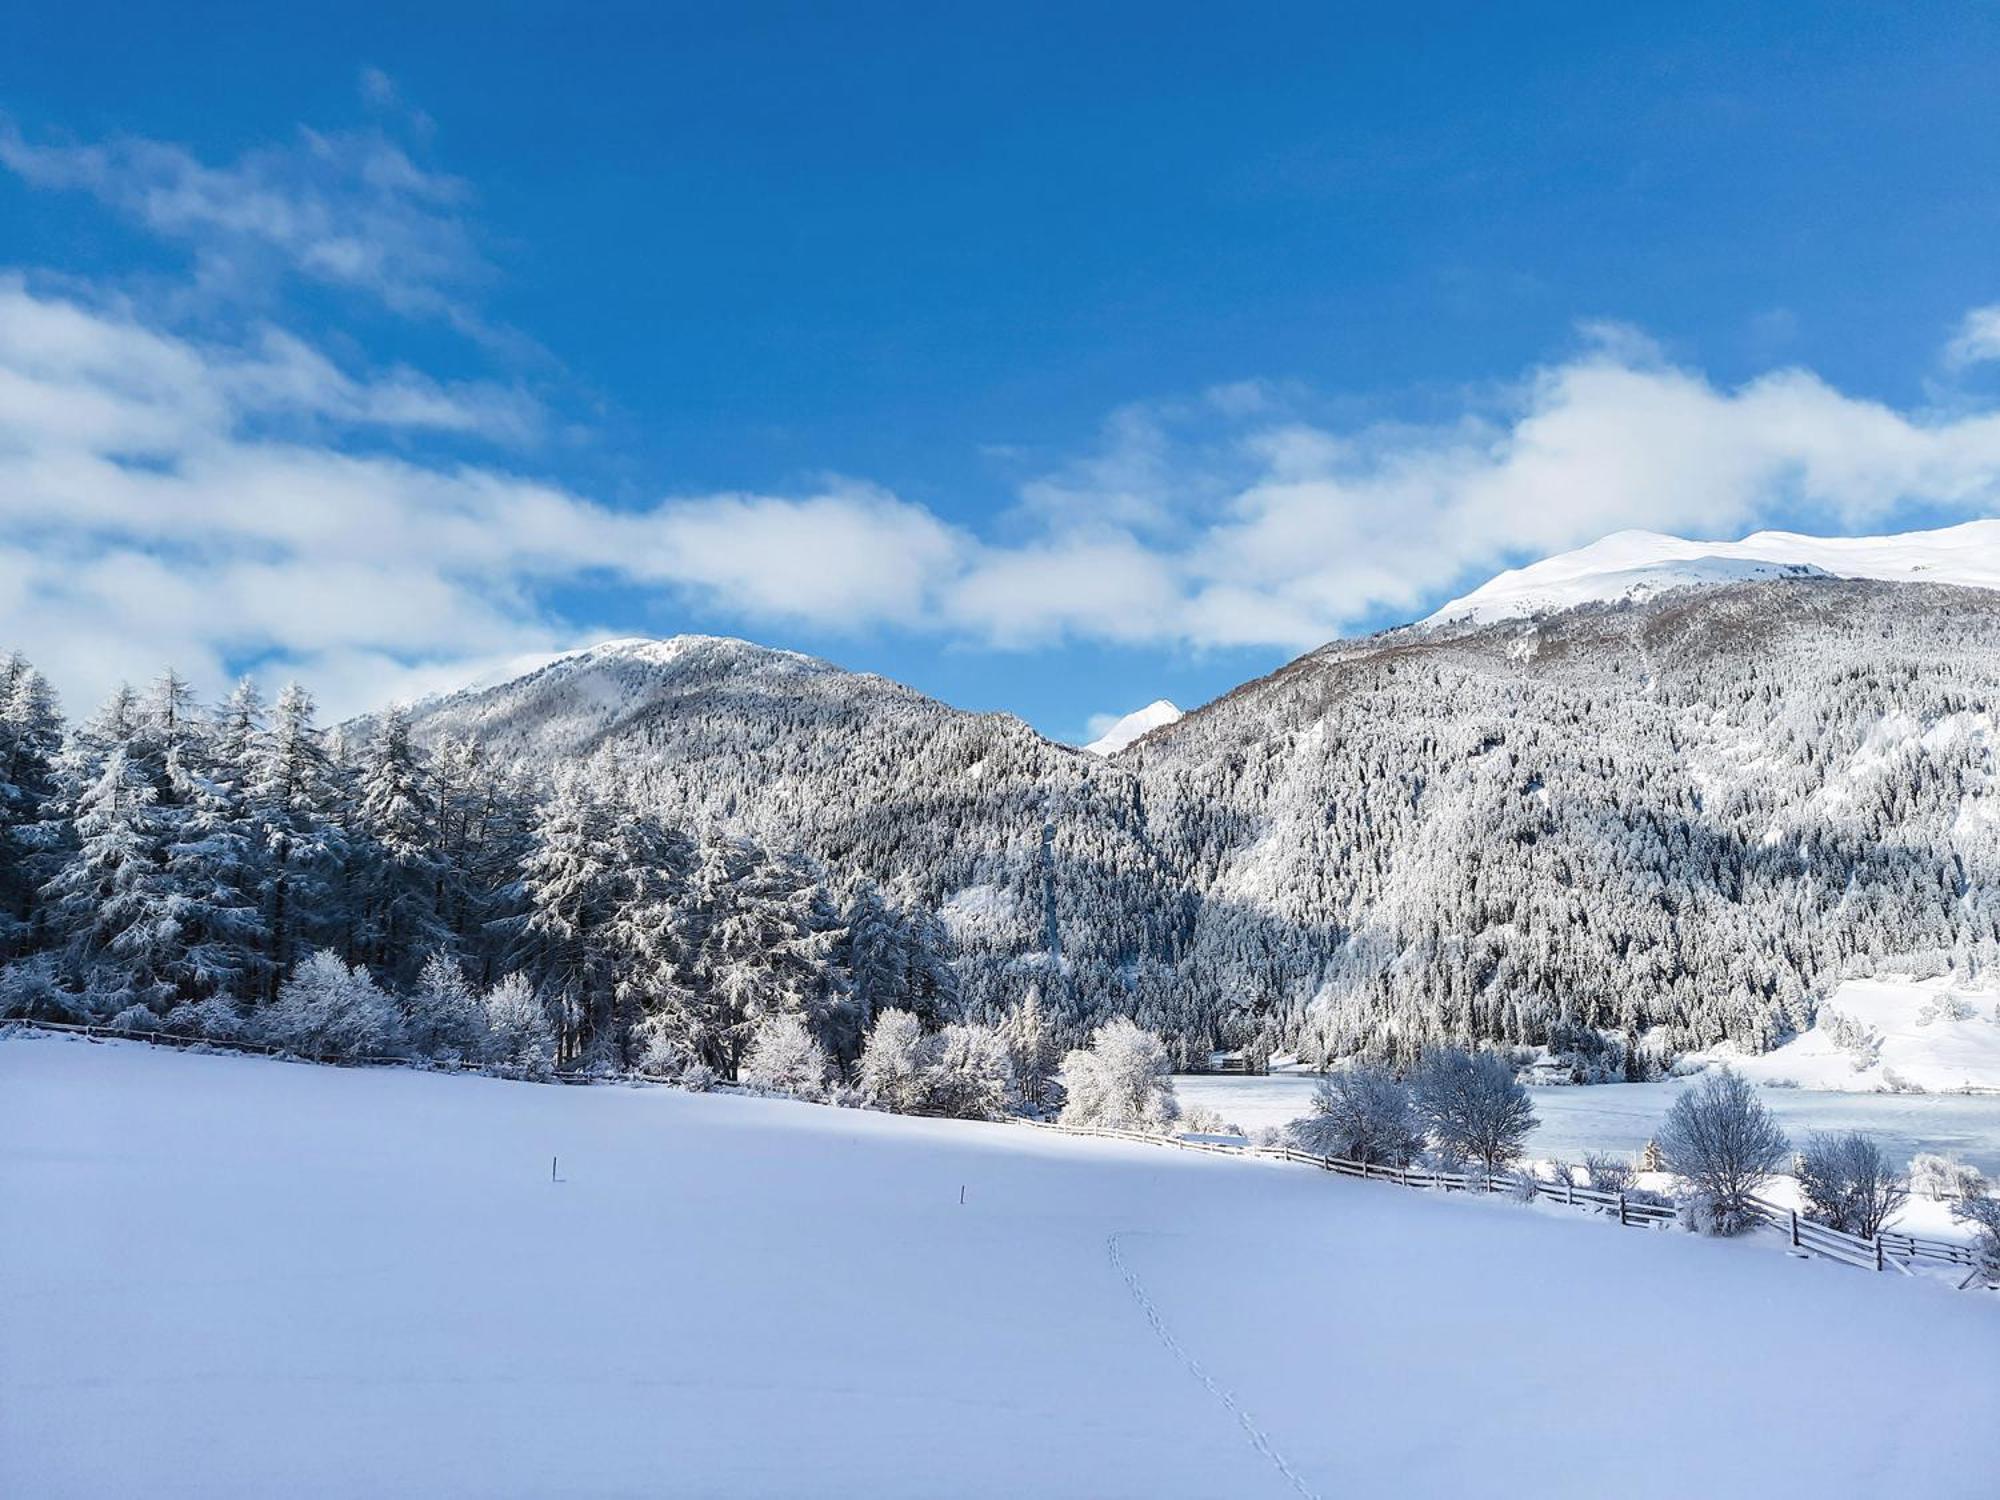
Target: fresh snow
{"type": "Point", "coordinates": [1887, 1034]}
{"type": "Point", "coordinates": [222, 1276]}
{"type": "Point", "coordinates": [1154, 715]}
{"type": "Point", "coordinates": [1639, 564]}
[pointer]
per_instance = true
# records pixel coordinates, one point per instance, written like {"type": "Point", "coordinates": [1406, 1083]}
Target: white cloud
{"type": "Point", "coordinates": [165, 499]}
{"type": "Point", "coordinates": [1977, 339]}
{"type": "Point", "coordinates": [346, 209]}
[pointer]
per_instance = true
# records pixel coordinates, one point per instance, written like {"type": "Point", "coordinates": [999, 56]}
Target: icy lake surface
{"type": "Point", "coordinates": [1623, 1116]}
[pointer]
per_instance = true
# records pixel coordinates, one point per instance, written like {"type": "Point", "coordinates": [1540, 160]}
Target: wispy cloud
{"type": "Point", "coordinates": [1977, 339]}
{"type": "Point", "coordinates": [347, 209]}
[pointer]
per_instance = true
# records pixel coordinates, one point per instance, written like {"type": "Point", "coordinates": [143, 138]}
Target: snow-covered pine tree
{"type": "Point", "coordinates": [399, 872]}
{"type": "Point", "coordinates": [295, 799]}
{"type": "Point", "coordinates": [112, 903]}
{"type": "Point", "coordinates": [567, 880]}
{"type": "Point", "coordinates": [1036, 1054]}
{"type": "Point", "coordinates": [30, 832]}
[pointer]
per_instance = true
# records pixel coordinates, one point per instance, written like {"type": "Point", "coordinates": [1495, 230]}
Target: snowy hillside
{"type": "Point", "coordinates": [1673, 824]}
{"type": "Point", "coordinates": [228, 1277]}
{"type": "Point", "coordinates": [1140, 721]}
{"type": "Point", "coordinates": [1640, 564]}
{"type": "Point", "coordinates": [1892, 1034]}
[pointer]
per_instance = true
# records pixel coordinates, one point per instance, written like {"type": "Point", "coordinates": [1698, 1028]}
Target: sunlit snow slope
{"type": "Point", "coordinates": [1890, 1034]}
{"type": "Point", "coordinates": [1140, 721]}
{"type": "Point", "coordinates": [230, 1277]}
{"type": "Point", "coordinates": [1639, 564]}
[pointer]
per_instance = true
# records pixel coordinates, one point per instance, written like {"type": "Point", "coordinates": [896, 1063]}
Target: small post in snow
{"type": "Point", "coordinates": [552, 1170]}
{"type": "Point", "coordinates": [961, 1195]}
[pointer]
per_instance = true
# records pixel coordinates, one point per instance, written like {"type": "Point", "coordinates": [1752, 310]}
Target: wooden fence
{"type": "Point", "coordinates": [1888, 1250]}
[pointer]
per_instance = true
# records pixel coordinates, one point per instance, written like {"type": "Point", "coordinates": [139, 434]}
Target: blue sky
{"type": "Point", "coordinates": [1052, 358]}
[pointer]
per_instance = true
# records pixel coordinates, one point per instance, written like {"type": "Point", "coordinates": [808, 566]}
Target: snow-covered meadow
{"type": "Point", "coordinates": [227, 1276]}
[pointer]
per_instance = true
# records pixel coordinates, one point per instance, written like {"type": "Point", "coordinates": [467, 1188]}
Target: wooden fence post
{"type": "Point", "coordinates": [1621, 1210]}
{"type": "Point", "coordinates": [1795, 1229]}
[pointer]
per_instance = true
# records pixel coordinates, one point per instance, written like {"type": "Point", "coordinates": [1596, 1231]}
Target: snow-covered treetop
{"type": "Point", "coordinates": [1639, 564]}
{"type": "Point", "coordinates": [1140, 721]}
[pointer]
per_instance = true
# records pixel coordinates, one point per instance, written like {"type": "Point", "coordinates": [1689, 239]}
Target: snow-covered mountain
{"type": "Point", "coordinates": [1140, 721]}
{"type": "Point", "coordinates": [1673, 822]}
{"type": "Point", "coordinates": [1640, 564]}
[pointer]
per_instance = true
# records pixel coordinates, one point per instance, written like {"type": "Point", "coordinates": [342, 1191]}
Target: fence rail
{"type": "Point", "coordinates": [1888, 1250]}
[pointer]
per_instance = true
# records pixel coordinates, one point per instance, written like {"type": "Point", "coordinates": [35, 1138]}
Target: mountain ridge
{"type": "Point", "coordinates": [1668, 820]}
{"type": "Point", "coordinates": [1638, 564]}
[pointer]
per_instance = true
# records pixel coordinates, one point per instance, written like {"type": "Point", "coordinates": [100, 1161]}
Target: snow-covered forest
{"type": "Point", "coordinates": [238, 871]}
{"type": "Point", "coordinates": [1624, 831]}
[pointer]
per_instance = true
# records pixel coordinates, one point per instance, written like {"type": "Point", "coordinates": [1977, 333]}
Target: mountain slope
{"type": "Point", "coordinates": [1033, 852]}
{"type": "Point", "coordinates": [1671, 820]}
{"type": "Point", "coordinates": [1691, 812]}
{"type": "Point", "coordinates": [1640, 564]}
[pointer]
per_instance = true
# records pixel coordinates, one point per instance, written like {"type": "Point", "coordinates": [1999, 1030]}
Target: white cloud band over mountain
{"type": "Point", "coordinates": [216, 492]}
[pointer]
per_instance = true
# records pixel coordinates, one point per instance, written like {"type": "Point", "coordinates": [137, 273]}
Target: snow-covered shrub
{"type": "Point", "coordinates": [329, 1010]}
{"type": "Point", "coordinates": [1980, 1211]}
{"type": "Point", "coordinates": [520, 1039]}
{"type": "Point", "coordinates": [1933, 1175]}
{"type": "Point", "coordinates": [786, 1058]}
{"type": "Point", "coordinates": [215, 1019]}
{"type": "Point", "coordinates": [1120, 1081]}
{"type": "Point", "coordinates": [1363, 1114]}
{"type": "Point", "coordinates": [1847, 1183]}
{"type": "Point", "coordinates": [1945, 1007]}
{"type": "Point", "coordinates": [697, 1077]}
{"type": "Point", "coordinates": [31, 990]}
{"type": "Point", "coordinates": [1199, 1119]}
{"type": "Point", "coordinates": [444, 1017]}
{"type": "Point", "coordinates": [971, 1073]}
{"type": "Point", "coordinates": [135, 1018]}
{"type": "Point", "coordinates": [1721, 1142]}
{"type": "Point", "coordinates": [659, 1045]}
{"type": "Point", "coordinates": [1472, 1105]}
{"type": "Point", "coordinates": [894, 1062]}
{"type": "Point", "coordinates": [1523, 1186]}
{"type": "Point", "coordinates": [1862, 1043]}
{"type": "Point", "coordinates": [1607, 1173]}
{"type": "Point", "coordinates": [965, 1071]}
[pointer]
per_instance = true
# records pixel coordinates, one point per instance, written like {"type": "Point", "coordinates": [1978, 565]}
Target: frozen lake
{"type": "Point", "coordinates": [1622, 1116]}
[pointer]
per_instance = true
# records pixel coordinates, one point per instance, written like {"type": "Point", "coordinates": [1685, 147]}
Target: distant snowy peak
{"type": "Point", "coordinates": [713, 652]}
{"type": "Point", "coordinates": [1154, 715]}
{"type": "Point", "coordinates": [1639, 564]}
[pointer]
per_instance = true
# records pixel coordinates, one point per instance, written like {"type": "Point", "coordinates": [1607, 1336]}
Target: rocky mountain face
{"type": "Point", "coordinates": [1659, 821]}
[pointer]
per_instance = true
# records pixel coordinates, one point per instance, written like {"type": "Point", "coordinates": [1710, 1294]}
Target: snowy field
{"type": "Point", "coordinates": [1624, 1116]}
{"type": "Point", "coordinates": [223, 1276]}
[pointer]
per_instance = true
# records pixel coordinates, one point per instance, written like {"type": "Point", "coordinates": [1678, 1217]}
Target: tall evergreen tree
{"type": "Point", "coordinates": [295, 798]}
